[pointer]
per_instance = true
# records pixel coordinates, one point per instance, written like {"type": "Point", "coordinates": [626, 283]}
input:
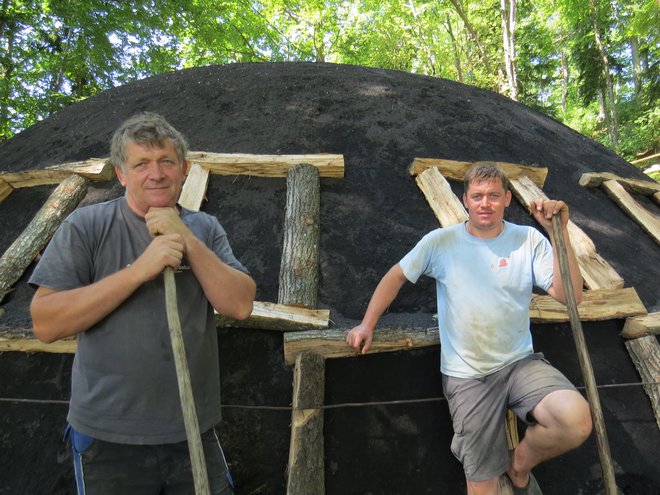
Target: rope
{"type": "Point", "coordinates": [327, 406]}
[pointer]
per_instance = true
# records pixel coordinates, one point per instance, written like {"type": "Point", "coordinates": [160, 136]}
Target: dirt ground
{"type": "Point", "coordinates": [380, 121]}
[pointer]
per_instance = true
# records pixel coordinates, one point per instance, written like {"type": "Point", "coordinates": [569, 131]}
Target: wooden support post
{"type": "Point", "coordinates": [36, 235]}
{"type": "Point", "coordinates": [306, 472]}
{"type": "Point", "coordinates": [5, 190]}
{"type": "Point", "coordinates": [299, 280]}
{"type": "Point", "coordinates": [645, 187]}
{"type": "Point", "coordinates": [645, 353]}
{"type": "Point", "coordinates": [194, 188]}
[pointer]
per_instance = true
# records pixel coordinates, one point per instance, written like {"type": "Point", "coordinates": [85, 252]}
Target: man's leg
{"type": "Point", "coordinates": [563, 423]}
{"type": "Point", "coordinates": [557, 415]}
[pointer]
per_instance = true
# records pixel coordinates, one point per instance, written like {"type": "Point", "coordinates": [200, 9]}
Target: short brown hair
{"type": "Point", "coordinates": [485, 172]}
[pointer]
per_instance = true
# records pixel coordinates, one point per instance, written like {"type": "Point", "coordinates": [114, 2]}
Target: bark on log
{"type": "Point", "coordinates": [278, 317]}
{"type": "Point", "coordinates": [332, 343]}
{"type": "Point", "coordinates": [36, 235]}
{"type": "Point", "coordinates": [299, 272]}
{"type": "Point", "coordinates": [455, 170]}
{"type": "Point", "coordinates": [306, 451]}
{"type": "Point", "coordinates": [328, 165]}
{"type": "Point", "coordinates": [645, 353]}
{"type": "Point", "coordinates": [597, 273]}
{"type": "Point", "coordinates": [639, 326]}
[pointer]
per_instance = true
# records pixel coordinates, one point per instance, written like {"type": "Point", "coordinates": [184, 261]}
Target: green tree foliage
{"type": "Point", "coordinates": [592, 64]}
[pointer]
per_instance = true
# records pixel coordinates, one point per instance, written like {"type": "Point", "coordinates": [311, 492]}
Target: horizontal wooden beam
{"type": "Point", "coordinates": [329, 165]}
{"type": "Point", "coordinates": [279, 317]}
{"type": "Point", "coordinates": [639, 326]}
{"type": "Point", "coordinates": [22, 340]}
{"type": "Point", "coordinates": [596, 179]}
{"type": "Point", "coordinates": [332, 343]}
{"type": "Point", "coordinates": [597, 305]}
{"type": "Point", "coordinates": [456, 170]}
{"type": "Point", "coordinates": [94, 169]}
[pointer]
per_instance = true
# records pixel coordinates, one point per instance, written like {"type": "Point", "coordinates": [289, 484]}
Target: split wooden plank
{"type": "Point", "coordinates": [596, 272]}
{"type": "Point", "coordinates": [645, 353]}
{"type": "Point", "coordinates": [94, 169]}
{"type": "Point", "coordinates": [456, 170]}
{"type": "Point", "coordinates": [597, 305]}
{"type": "Point", "coordinates": [194, 188]}
{"type": "Point", "coordinates": [332, 344]}
{"type": "Point", "coordinates": [329, 165]}
{"type": "Point", "coordinates": [23, 340]}
{"type": "Point", "coordinates": [5, 190]}
{"type": "Point", "coordinates": [639, 186]}
{"type": "Point", "coordinates": [305, 469]}
{"type": "Point", "coordinates": [299, 268]}
{"type": "Point", "coordinates": [447, 208]}
{"type": "Point", "coordinates": [639, 326]}
{"type": "Point", "coordinates": [649, 221]}
{"type": "Point", "coordinates": [279, 317]}
{"type": "Point", "coordinates": [62, 201]}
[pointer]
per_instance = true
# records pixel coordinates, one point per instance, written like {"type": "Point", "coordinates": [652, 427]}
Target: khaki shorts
{"type": "Point", "coordinates": [478, 410]}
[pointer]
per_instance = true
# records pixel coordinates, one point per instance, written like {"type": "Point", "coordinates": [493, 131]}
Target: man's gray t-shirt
{"type": "Point", "coordinates": [124, 386]}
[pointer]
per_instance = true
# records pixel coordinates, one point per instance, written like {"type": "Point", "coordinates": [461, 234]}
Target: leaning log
{"type": "Point", "coordinates": [597, 273]}
{"type": "Point", "coordinates": [645, 353]}
{"type": "Point", "coordinates": [649, 221]}
{"type": "Point", "coordinates": [299, 269]}
{"type": "Point", "coordinates": [305, 470]}
{"type": "Point", "coordinates": [446, 206]}
{"type": "Point", "coordinates": [62, 201]}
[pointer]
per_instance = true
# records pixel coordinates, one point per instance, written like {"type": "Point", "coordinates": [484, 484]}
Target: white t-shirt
{"type": "Point", "coordinates": [484, 287]}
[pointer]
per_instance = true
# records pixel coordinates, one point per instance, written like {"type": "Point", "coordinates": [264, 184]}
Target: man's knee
{"type": "Point", "coordinates": [568, 413]}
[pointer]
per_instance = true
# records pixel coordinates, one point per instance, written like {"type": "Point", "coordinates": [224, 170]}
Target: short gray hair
{"type": "Point", "coordinates": [149, 129]}
{"type": "Point", "coordinates": [485, 172]}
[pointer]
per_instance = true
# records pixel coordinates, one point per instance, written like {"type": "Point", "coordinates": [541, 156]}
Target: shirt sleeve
{"type": "Point", "coordinates": [542, 260]}
{"type": "Point", "coordinates": [418, 261]}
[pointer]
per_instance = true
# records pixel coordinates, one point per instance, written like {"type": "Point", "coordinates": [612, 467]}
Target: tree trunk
{"type": "Point", "coordinates": [564, 82]}
{"type": "Point", "coordinates": [473, 34]}
{"type": "Point", "coordinates": [508, 15]}
{"type": "Point", "coordinates": [299, 279]}
{"type": "Point", "coordinates": [457, 56]}
{"type": "Point", "coordinates": [609, 101]}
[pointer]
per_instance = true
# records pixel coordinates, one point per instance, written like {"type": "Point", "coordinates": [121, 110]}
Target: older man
{"type": "Point", "coordinates": [101, 279]}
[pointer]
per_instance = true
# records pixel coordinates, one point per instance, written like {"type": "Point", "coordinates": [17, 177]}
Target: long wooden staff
{"type": "Point", "coordinates": [585, 361]}
{"type": "Point", "coordinates": [197, 462]}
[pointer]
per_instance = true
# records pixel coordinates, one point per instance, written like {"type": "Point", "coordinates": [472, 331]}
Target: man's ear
{"type": "Point", "coordinates": [507, 199]}
{"type": "Point", "coordinates": [120, 175]}
{"type": "Point", "coordinates": [184, 167]}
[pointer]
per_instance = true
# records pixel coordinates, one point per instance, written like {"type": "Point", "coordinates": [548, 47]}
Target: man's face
{"type": "Point", "coordinates": [152, 176]}
{"type": "Point", "coordinates": [485, 202]}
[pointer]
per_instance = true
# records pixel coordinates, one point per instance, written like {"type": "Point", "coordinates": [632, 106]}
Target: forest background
{"type": "Point", "coordinates": [591, 64]}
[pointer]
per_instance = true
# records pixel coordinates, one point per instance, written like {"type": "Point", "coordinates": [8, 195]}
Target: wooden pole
{"type": "Point", "coordinates": [197, 462]}
{"type": "Point", "coordinates": [585, 361]}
